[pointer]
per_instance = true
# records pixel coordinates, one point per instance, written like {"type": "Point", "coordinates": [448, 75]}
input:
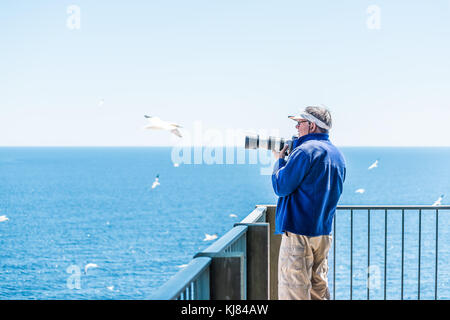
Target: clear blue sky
{"type": "Point", "coordinates": [234, 64]}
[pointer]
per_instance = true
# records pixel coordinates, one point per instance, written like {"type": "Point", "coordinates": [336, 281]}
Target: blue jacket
{"type": "Point", "coordinates": [309, 185]}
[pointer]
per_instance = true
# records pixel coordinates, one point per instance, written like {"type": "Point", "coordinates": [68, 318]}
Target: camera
{"type": "Point", "coordinates": [269, 143]}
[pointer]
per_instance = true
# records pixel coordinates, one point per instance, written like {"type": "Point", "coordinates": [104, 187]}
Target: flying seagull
{"type": "Point", "coordinates": [209, 237]}
{"type": "Point", "coordinates": [156, 123]}
{"type": "Point", "coordinates": [438, 201]}
{"type": "Point", "coordinates": [3, 218]}
{"type": "Point", "coordinates": [373, 165]}
{"type": "Point", "coordinates": [156, 182]}
{"type": "Point", "coordinates": [360, 191]}
{"type": "Point", "coordinates": [233, 215]}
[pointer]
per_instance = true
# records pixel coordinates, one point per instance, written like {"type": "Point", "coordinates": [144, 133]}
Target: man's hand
{"type": "Point", "coordinates": [281, 154]}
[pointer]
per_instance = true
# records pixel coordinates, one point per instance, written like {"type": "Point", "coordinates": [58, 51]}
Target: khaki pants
{"type": "Point", "coordinates": [303, 267]}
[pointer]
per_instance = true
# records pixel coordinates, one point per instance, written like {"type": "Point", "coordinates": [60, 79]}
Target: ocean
{"type": "Point", "coordinates": [70, 207]}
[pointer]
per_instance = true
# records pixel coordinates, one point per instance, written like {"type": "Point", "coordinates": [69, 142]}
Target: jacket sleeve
{"type": "Point", "coordinates": [287, 175]}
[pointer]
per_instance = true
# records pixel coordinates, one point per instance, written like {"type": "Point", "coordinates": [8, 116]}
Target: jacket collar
{"type": "Point", "coordinates": [311, 136]}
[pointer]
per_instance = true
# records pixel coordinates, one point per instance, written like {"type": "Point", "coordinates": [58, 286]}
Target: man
{"type": "Point", "coordinates": [309, 185]}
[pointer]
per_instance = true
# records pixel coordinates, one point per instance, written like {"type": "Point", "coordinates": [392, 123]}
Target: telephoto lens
{"type": "Point", "coordinates": [269, 143]}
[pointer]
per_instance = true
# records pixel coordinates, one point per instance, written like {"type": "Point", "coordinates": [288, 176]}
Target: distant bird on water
{"type": "Point", "coordinates": [438, 201]}
{"type": "Point", "coordinates": [210, 237]}
{"type": "Point", "coordinates": [156, 123]}
{"type": "Point", "coordinates": [89, 265]}
{"type": "Point", "coordinates": [156, 182]}
{"type": "Point", "coordinates": [373, 165]}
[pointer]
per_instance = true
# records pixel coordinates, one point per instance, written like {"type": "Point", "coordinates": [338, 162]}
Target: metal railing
{"type": "Point", "coordinates": [194, 281]}
{"type": "Point", "coordinates": [249, 253]}
{"type": "Point", "coordinates": [399, 259]}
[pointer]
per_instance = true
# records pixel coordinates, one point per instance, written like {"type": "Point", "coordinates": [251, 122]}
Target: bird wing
{"type": "Point", "coordinates": [176, 132]}
{"type": "Point", "coordinates": [156, 123]}
{"type": "Point", "coordinates": [153, 127]}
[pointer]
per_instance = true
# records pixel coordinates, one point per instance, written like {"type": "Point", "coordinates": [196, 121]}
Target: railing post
{"type": "Point", "coordinates": [420, 253]}
{"type": "Point", "coordinates": [437, 261]}
{"type": "Point", "coordinates": [227, 276]}
{"type": "Point", "coordinates": [403, 249]}
{"type": "Point", "coordinates": [334, 255]}
{"type": "Point", "coordinates": [385, 251]}
{"type": "Point", "coordinates": [275, 241]}
{"type": "Point", "coordinates": [258, 262]}
{"type": "Point", "coordinates": [368, 254]}
{"type": "Point", "coordinates": [351, 254]}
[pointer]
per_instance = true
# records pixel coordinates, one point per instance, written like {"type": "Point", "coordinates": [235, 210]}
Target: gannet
{"type": "Point", "coordinates": [156, 123]}
{"type": "Point", "coordinates": [209, 237]}
{"type": "Point", "coordinates": [438, 201]}
{"type": "Point", "coordinates": [373, 165]}
{"type": "Point", "coordinates": [156, 182]}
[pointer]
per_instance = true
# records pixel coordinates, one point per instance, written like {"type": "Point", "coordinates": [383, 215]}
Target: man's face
{"type": "Point", "coordinates": [303, 127]}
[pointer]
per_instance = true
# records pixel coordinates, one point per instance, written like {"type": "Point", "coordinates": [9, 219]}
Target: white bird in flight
{"type": "Point", "coordinates": [373, 165]}
{"type": "Point", "coordinates": [3, 218]}
{"type": "Point", "coordinates": [89, 265]}
{"type": "Point", "coordinates": [438, 201]}
{"type": "Point", "coordinates": [156, 123]}
{"type": "Point", "coordinates": [360, 191]}
{"type": "Point", "coordinates": [156, 182]}
{"type": "Point", "coordinates": [233, 215]}
{"type": "Point", "coordinates": [210, 237]}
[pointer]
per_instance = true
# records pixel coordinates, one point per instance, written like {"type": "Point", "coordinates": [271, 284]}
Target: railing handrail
{"type": "Point", "coordinates": [255, 215]}
{"type": "Point", "coordinates": [174, 286]}
{"type": "Point", "coordinates": [223, 242]}
{"type": "Point", "coordinates": [392, 207]}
